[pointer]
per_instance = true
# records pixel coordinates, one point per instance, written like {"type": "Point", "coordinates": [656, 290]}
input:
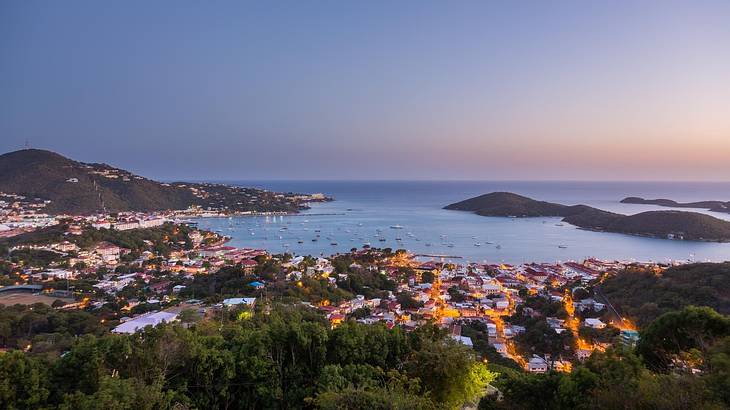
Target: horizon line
{"type": "Point", "coordinates": [223, 180]}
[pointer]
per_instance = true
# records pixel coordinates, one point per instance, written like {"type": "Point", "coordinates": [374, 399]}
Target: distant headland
{"type": "Point", "coordinates": [715, 206]}
{"type": "Point", "coordinates": [658, 224]}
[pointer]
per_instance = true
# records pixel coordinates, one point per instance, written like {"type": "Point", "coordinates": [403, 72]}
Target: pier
{"type": "Point", "coordinates": [425, 255]}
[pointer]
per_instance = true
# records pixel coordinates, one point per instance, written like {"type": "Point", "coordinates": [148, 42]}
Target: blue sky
{"type": "Point", "coordinates": [372, 90]}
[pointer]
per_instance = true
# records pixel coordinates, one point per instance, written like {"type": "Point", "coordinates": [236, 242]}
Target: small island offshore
{"type": "Point", "coordinates": [658, 224]}
{"type": "Point", "coordinates": [715, 206]}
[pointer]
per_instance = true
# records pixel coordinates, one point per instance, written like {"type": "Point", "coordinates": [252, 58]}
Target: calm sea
{"type": "Point", "coordinates": [365, 212]}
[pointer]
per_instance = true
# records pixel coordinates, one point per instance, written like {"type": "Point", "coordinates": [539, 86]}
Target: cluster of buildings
{"type": "Point", "coordinates": [20, 214]}
{"type": "Point", "coordinates": [490, 294]}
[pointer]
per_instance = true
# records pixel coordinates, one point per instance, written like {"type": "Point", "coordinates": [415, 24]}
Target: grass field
{"type": "Point", "coordinates": [24, 298]}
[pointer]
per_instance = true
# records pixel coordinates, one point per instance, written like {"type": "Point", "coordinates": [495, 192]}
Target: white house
{"type": "Point", "coordinates": [463, 340]}
{"type": "Point", "coordinates": [537, 365]}
{"type": "Point", "coordinates": [239, 301]}
{"type": "Point", "coordinates": [594, 323]}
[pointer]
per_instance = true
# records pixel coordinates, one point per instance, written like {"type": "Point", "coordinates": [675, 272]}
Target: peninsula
{"type": "Point", "coordinates": [658, 224]}
{"type": "Point", "coordinates": [61, 185]}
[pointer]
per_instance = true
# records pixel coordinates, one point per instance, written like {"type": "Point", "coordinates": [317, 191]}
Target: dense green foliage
{"type": "Point", "coordinates": [34, 257]}
{"type": "Point", "coordinates": [696, 341]}
{"type": "Point", "coordinates": [280, 358]}
{"type": "Point", "coordinates": [44, 328]}
{"type": "Point", "coordinates": [682, 338]}
{"type": "Point", "coordinates": [643, 296]}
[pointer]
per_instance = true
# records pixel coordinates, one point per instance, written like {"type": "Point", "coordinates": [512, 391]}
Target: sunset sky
{"type": "Point", "coordinates": [572, 90]}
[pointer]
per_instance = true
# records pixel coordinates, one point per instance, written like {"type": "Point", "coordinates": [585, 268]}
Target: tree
{"type": "Point", "coordinates": [188, 316]}
{"type": "Point", "coordinates": [719, 376]}
{"type": "Point", "coordinates": [664, 341]}
{"type": "Point", "coordinates": [22, 381]}
{"type": "Point", "coordinates": [119, 394]}
{"type": "Point", "coordinates": [449, 372]}
{"type": "Point", "coordinates": [427, 277]}
{"type": "Point", "coordinates": [407, 301]}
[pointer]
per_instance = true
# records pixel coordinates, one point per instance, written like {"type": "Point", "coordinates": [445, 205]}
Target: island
{"type": "Point", "coordinates": [715, 206]}
{"type": "Point", "coordinates": [658, 224]}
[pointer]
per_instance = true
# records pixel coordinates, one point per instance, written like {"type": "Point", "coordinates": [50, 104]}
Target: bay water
{"type": "Point", "coordinates": [409, 215]}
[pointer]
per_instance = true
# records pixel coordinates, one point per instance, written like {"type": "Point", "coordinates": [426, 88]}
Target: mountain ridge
{"type": "Point", "coordinates": [75, 187]}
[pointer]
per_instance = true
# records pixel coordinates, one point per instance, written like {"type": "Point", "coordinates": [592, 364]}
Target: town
{"type": "Point", "coordinates": [133, 270]}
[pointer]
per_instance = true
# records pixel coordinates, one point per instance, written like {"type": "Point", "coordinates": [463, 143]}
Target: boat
{"type": "Point", "coordinates": [499, 246]}
{"type": "Point", "coordinates": [396, 227]}
{"type": "Point", "coordinates": [562, 246]}
{"type": "Point", "coordinates": [333, 243]}
{"type": "Point", "coordinates": [382, 239]}
{"type": "Point", "coordinates": [314, 239]}
{"type": "Point", "coordinates": [300, 241]}
{"type": "Point", "coordinates": [477, 244]}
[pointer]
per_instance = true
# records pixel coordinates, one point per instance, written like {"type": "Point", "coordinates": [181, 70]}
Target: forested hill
{"type": "Point", "coordinates": [82, 188]}
{"type": "Point", "coordinates": [509, 204]}
{"type": "Point", "coordinates": [643, 295]}
{"type": "Point", "coordinates": [660, 224]}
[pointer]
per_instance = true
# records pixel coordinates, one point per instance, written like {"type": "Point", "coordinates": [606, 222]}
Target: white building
{"type": "Point", "coordinates": [140, 322]}
{"type": "Point", "coordinates": [537, 365]}
{"type": "Point", "coordinates": [239, 301]}
{"type": "Point", "coordinates": [463, 340]}
{"type": "Point", "coordinates": [594, 323]}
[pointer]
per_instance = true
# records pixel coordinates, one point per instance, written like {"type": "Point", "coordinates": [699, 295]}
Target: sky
{"type": "Point", "coordinates": [482, 90]}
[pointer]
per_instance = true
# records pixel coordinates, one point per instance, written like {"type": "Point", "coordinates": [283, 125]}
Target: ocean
{"type": "Point", "coordinates": [409, 215]}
